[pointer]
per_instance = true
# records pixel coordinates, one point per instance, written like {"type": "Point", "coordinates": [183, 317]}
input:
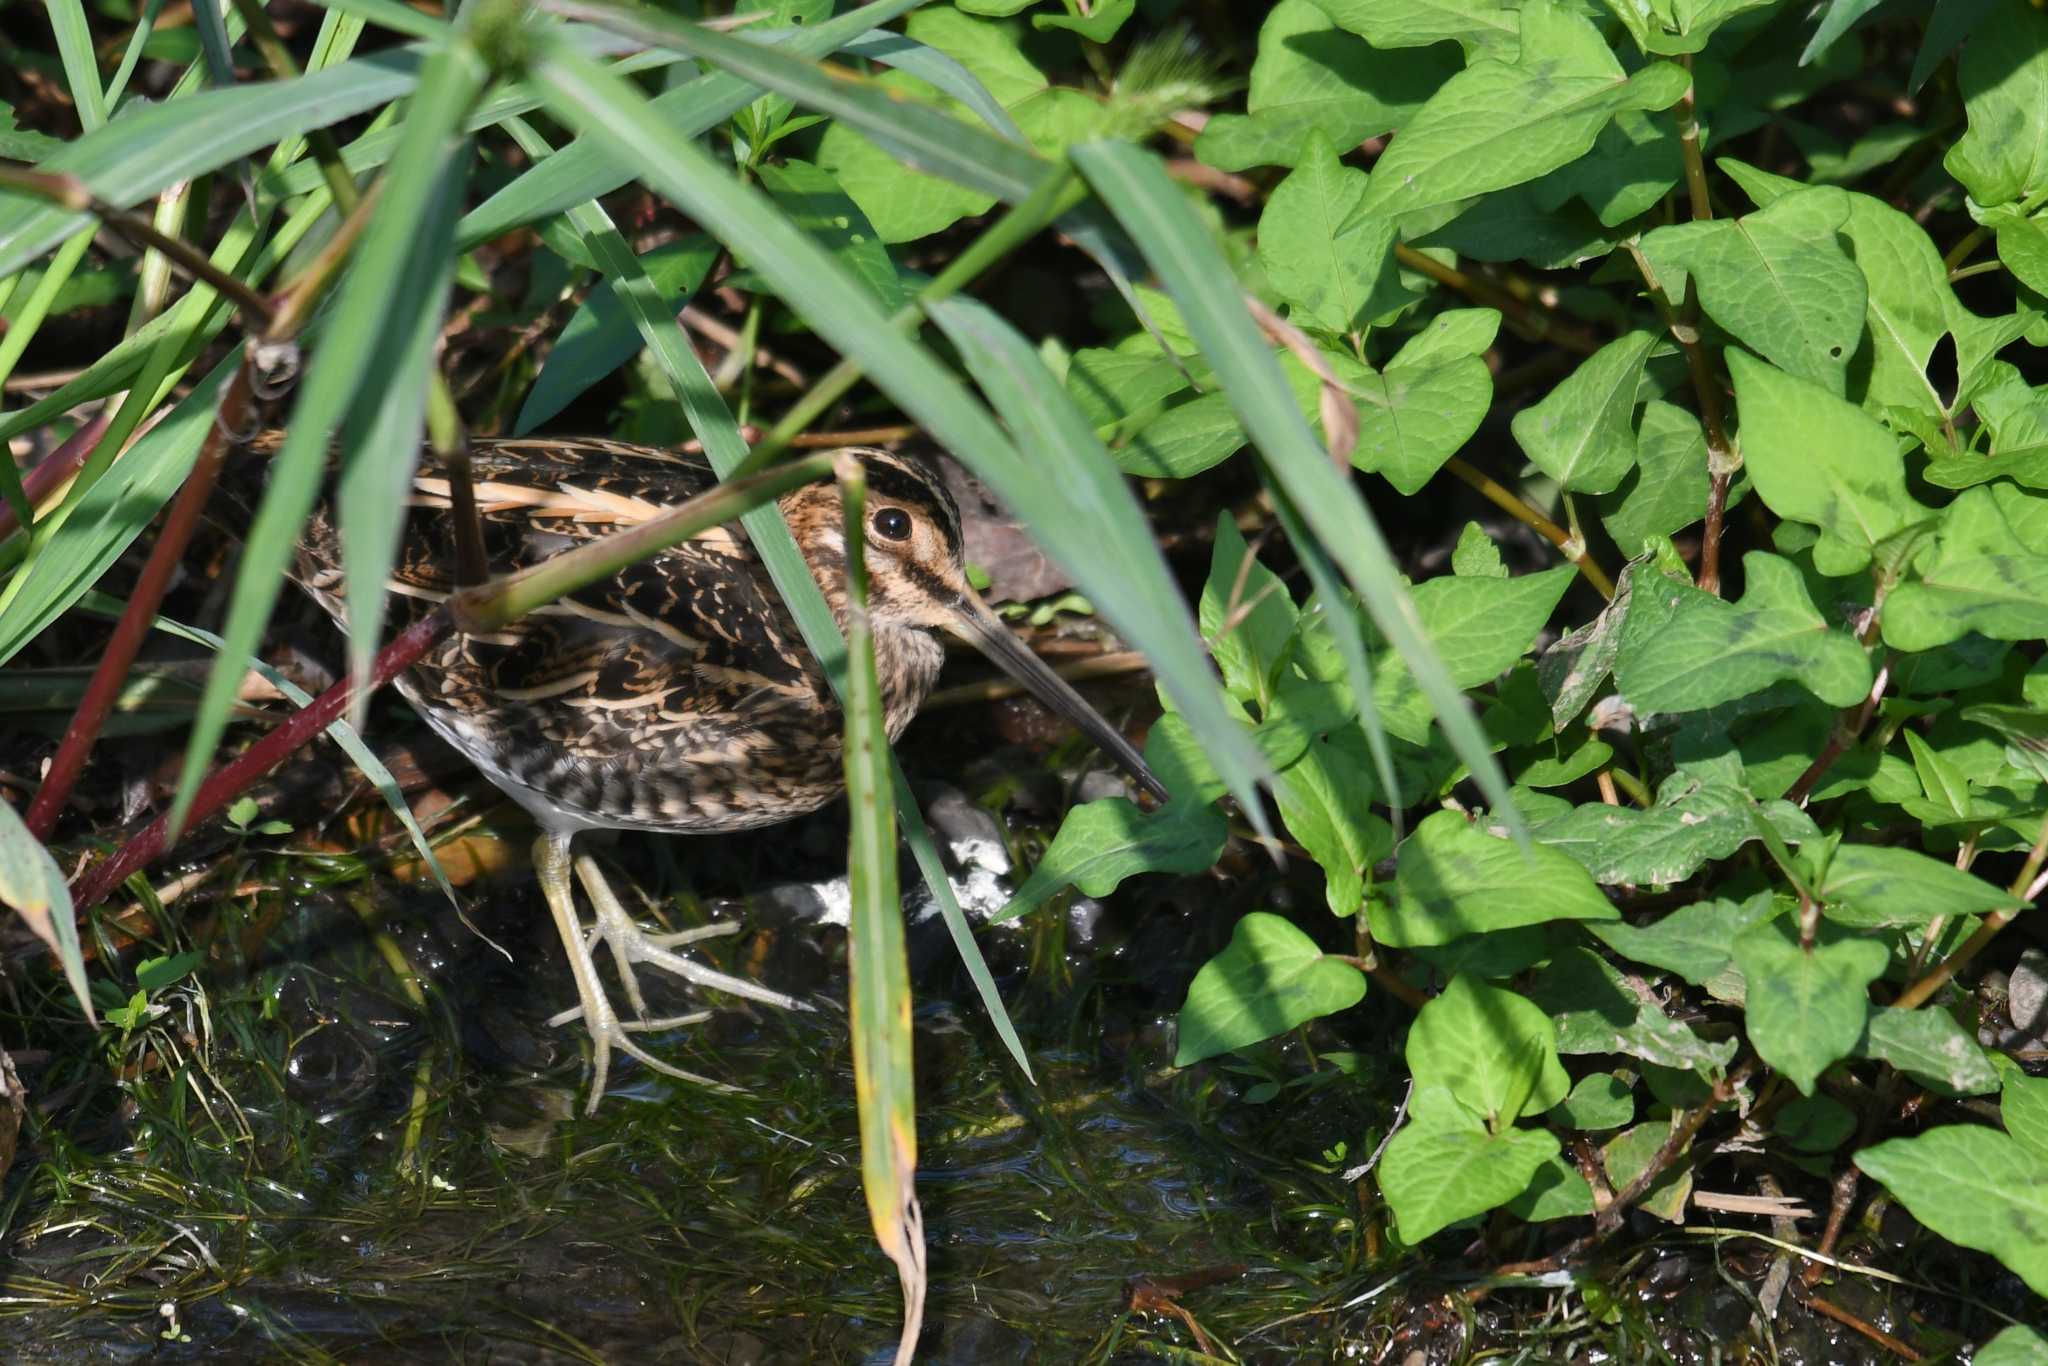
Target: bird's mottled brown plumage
{"type": "Point", "coordinates": [677, 695]}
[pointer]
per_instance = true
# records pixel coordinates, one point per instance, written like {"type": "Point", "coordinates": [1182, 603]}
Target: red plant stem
{"type": "Point", "coordinates": [55, 468]}
{"type": "Point", "coordinates": [229, 780]}
{"type": "Point", "coordinates": [133, 628]}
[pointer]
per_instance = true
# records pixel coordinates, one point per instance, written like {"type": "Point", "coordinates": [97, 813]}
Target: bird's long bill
{"type": "Point", "coordinates": [984, 630]}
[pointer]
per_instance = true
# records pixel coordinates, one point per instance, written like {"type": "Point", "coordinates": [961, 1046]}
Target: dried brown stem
{"type": "Point", "coordinates": [2023, 889]}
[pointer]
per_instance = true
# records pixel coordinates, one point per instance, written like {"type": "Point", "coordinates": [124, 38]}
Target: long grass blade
{"type": "Point", "coordinates": [940, 70]}
{"type": "Point", "coordinates": [340, 731]}
{"type": "Point", "coordinates": [726, 448]}
{"type": "Point", "coordinates": [31, 883]}
{"type": "Point", "coordinates": [583, 171]}
{"type": "Point", "coordinates": [877, 969]}
{"type": "Point", "coordinates": [133, 159]}
{"type": "Point", "coordinates": [144, 27]}
{"type": "Point", "coordinates": [368, 337]}
{"type": "Point", "coordinates": [391, 14]}
{"type": "Point", "coordinates": [1135, 187]}
{"type": "Point", "coordinates": [81, 62]}
{"type": "Point", "coordinates": [586, 96]}
{"type": "Point", "coordinates": [921, 136]}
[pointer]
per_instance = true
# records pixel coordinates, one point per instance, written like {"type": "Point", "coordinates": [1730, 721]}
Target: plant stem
{"type": "Point", "coordinates": [68, 191]}
{"type": "Point", "coordinates": [227, 781]}
{"type": "Point", "coordinates": [1532, 320]}
{"type": "Point", "coordinates": [133, 627]}
{"type": "Point", "coordinates": [1689, 150]}
{"type": "Point", "coordinates": [1722, 460]}
{"type": "Point", "coordinates": [54, 468]}
{"type": "Point", "coordinates": [1057, 193]}
{"type": "Point", "coordinates": [1527, 513]}
{"type": "Point", "coordinates": [2022, 890]}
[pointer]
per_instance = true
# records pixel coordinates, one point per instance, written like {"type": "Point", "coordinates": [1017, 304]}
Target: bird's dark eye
{"type": "Point", "coordinates": [892, 524]}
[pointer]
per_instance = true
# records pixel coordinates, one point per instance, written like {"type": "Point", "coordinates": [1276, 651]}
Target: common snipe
{"type": "Point", "coordinates": [678, 695]}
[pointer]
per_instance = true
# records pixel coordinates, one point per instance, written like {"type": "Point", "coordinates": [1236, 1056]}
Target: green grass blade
{"type": "Point", "coordinates": [135, 158]}
{"type": "Point", "coordinates": [582, 171]}
{"type": "Point", "coordinates": [1155, 212]}
{"type": "Point", "coordinates": [367, 338]}
{"type": "Point", "coordinates": [341, 732]}
{"type": "Point", "coordinates": [27, 321]}
{"type": "Point", "coordinates": [938, 69]}
{"type": "Point", "coordinates": [81, 63]}
{"type": "Point", "coordinates": [390, 14]}
{"type": "Point", "coordinates": [920, 136]}
{"type": "Point", "coordinates": [1069, 491]}
{"type": "Point", "coordinates": [726, 448]}
{"type": "Point", "coordinates": [144, 27]}
{"type": "Point", "coordinates": [213, 42]}
{"type": "Point", "coordinates": [877, 968]}
{"type": "Point", "coordinates": [845, 314]}
{"type": "Point", "coordinates": [110, 516]}
{"type": "Point", "coordinates": [32, 884]}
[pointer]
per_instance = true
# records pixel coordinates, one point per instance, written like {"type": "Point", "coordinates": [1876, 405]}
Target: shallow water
{"type": "Point", "coordinates": [263, 1188]}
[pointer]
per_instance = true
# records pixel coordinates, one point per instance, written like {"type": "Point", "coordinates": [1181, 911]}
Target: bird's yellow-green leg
{"type": "Point", "coordinates": [629, 944]}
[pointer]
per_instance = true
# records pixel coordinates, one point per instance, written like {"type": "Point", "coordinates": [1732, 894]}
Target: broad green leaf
{"type": "Point", "coordinates": [1136, 188]}
{"type": "Point", "coordinates": [1494, 125]}
{"type": "Point", "coordinates": [1246, 616]}
{"type": "Point", "coordinates": [2023, 246]}
{"type": "Point", "coordinates": [1444, 1166]}
{"type": "Point", "coordinates": [1490, 1048]}
{"type": "Point", "coordinates": [1483, 28]}
{"type": "Point", "coordinates": [1974, 1186]}
{"type": "Point", "coordinates": [1102, 843]}
{"type": "Point", "coordinates": [1667, 490]}
{"type": "Point", "coordinates": [1684, 650]}
{"type": "Point", "coordinates": [2016, 416]}
{"type": "Point", "coordinates": [1476, 556]}
{"type": "Point", "coordinates": [1118, 391]}
{"type": "Point", "coordinates": [582, 171]}
{"type": "Point", "coordinates": [1269, 979]}
{"type": "Point", "coordinates": [1814, 1124]}
{"type": "Point", "coordinates": [1983, 574]}
{"type": "Point", "coordinates": [33, 886]}
{"type": "Point", "coordinates": [1310, 75]}
{"type": "Point", "coordinates": [1876, 887]}
{"type": "Point", "coordinates": [1929, 1046]}
{"type": "Point", "coordinates": [1098, 24]}
{"type": "Point", "coordinates": [1628, 1155]}
{"type": "Point", "coordinates": [1816, 458]}
{"type": "Point", "coordinates": [1582, 434]}
{"type": "Point", "coordinates": [1675, 27]}
{"type": "Point", "coordinates": [1806, 1008]}
{"type": "Point", "coordinates": [1694, 941]}
{"type": "Point", "coordinates": [1635, 162]}
{"type": "Point", "coordinates": [2017, 1345]}
{"type": "Point", "coordinates": [815, 203]}
{"type": "Point", "coordinates": [1325, 798]}
{"type": "Point", "coordinates": [1778, 280]}
{"type": "Point", "coordinates": [1601, 1101]}
{"type": "Point", "coordinates": [910, 166]}
{"type": "Point", "coordinates": [1479, 626]}
{"type": "Point", "coordinates": [1692, 823]}
{"type": "Point", "coordinates": [2024, 1108]}
{"type": "Point", "coordinates": [1327, 259]}
{"type": "Point", "coordinates": [1577, 664]}
{"type": "Point", "coordinates": [2003, 77]}
{"type": "Point", "coordinates": [1597, 1011]}
{"type": "Point", "coordinates": [1416, 413]}
{"type": "Point", "coordinates": [1947, 788]}
{"type": "Point", "coordinates": [1453, 879]}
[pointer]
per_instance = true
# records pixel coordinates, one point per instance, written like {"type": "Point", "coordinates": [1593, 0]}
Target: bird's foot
{"type": "Point", "coordinates": [630, 945]}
